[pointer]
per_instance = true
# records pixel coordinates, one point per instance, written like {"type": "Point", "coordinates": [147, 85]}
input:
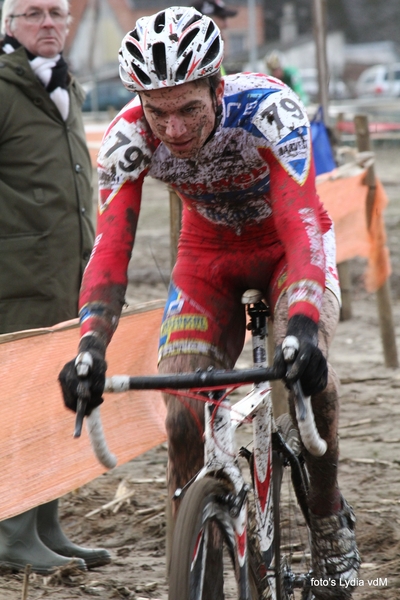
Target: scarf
{"type": "Point", "coordinates": [52, 72]}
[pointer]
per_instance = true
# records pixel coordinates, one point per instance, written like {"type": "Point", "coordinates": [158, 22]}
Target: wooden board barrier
{"type": "Point", "coordinates": [40, 459]}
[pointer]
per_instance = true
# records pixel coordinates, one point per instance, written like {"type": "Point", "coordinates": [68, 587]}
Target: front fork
{"type": "Point", "coordinates": [220, 457]}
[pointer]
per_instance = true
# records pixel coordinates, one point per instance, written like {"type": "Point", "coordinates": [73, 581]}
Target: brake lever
{"type": "Point", "coordinates": [301, 406]}
{"type": "Point", "coordinates": [290, 348]}
{"type": "Point", "coordinates": [83, 366]}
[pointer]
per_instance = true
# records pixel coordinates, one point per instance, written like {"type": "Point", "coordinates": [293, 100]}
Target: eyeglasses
{"type": "Point", "coordinates": [38, 16]}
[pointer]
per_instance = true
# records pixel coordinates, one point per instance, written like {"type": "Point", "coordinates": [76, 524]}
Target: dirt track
{"type": "Point", "coordinates": [370, 443]}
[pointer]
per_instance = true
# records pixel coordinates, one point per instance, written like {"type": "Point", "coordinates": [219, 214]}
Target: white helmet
{"type": "Point", "coordinates": [174, 46]}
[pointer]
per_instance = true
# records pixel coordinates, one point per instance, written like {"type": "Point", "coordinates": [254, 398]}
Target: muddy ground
{"type": "Point", "coordinates": [134, 531]}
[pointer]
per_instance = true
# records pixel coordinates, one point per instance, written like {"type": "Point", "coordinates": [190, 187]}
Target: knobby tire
{"type": "Point", "coordinates": [196, 565]}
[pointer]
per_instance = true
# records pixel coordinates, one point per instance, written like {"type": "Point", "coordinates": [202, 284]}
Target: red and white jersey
{"type": "Point", "coordinates": [253, 179]}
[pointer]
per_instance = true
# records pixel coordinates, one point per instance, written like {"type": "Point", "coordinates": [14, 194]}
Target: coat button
{"type": "Point", "coordinates": [86, 255]}
{"type": "Point", "coordinates": [38, 101]}
{"type": "Point", "coordinates": [20, 71]}
{"type": "Point", "coordinates": [78, 168]}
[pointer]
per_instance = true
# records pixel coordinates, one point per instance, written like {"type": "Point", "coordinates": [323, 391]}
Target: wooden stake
{"type": "Point", "coordinates": [345, 288]}
{"type": "Point", "coordinates": [383, 293]}
{"type": "Point", "coordinates": [26, 582]}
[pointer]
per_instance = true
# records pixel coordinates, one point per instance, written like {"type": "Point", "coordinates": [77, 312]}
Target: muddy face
{"type": "Point", "coordinates": [182, 117]}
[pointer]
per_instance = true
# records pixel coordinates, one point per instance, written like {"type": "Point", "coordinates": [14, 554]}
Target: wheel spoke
{"type": "Point", "coordinates": [292, 553]}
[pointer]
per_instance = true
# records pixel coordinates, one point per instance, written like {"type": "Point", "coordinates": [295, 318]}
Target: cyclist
{"type": "Point", "coordinates": [237, 150]}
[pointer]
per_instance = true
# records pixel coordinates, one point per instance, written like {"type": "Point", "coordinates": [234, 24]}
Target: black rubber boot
{"type": "Point", "coordinates": [51, 534]}
{"type": "Point", "coordinates": [20, 545]}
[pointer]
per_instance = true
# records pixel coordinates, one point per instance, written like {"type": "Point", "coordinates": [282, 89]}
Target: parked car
{"type": "Point", "coordinates": [105, 95]}
{"type": "Point", "coordinates": [309, 78]}
{"type": "Point", "coordinates": [379, 81]}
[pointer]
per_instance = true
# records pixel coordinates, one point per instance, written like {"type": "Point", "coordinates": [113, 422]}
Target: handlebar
{"type": "Point", "coordinates": [83, 366]}
{"type": "Point", "coordinates": [198, 379]}
{"type": "Point", "coordinates": [195, 380]}
{"type": "Point", "coordinates": [304, 412]}
{"type": "Point", "coordinates": [98, 441]}
{"type": "Point", "coordinates": [213, 377]}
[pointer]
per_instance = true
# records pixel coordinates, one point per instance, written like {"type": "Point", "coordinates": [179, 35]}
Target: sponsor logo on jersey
{"type": "Point", "coordinates": [123, 156]}
{"type": "Point", "coordinates": [184, 323]}
{"type": "Point", "coordinates": [282, 120]}
{"type": "Point", "coordinates": [305, 290]}
{"type": "Point", "coordinates": [313, 231]}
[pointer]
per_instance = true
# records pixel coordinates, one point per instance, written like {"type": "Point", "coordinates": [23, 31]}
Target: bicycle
{"type": "Point", "coordinates": [253, 518]}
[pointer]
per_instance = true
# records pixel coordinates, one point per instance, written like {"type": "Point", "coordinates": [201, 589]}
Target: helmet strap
{"type": "Point", "coordinates": [217, 112]}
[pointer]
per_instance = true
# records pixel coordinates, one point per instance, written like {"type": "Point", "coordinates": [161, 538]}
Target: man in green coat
{"type": "Point", "coordinates": [46, 228]}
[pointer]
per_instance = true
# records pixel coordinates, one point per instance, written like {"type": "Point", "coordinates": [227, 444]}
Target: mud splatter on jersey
{"type": "Point", "coordinates": [254, 179]}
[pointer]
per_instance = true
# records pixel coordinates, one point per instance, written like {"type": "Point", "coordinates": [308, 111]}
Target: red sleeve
{"type": "Point", "coordinates": [105, 278]}
{"type": "Point", "coordinates": [297, 213]}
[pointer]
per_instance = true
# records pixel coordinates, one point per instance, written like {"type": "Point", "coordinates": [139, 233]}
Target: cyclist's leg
{"type": "Point", "coordinates": [184, 425]}
{"type": "Point", "coordinates": [324, 496]}
{"type": "Point", "coordinates": [335, 556]}
{"type": "Point", "coordinates": [193, 338]}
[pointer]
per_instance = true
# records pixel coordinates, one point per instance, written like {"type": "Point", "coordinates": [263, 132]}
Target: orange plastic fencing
{"type": "Point", "coordinates": [40, 460]}
{"type": "Point", "coordinates": [379, 267]}
{"type": "Point", "coordinates": [345, 200]}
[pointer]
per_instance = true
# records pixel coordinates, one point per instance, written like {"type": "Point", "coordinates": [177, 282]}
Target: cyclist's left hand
{"type": "Point", "coordinates": [309, 365]}
{"type": "Point", "coordinates": [70, 381]}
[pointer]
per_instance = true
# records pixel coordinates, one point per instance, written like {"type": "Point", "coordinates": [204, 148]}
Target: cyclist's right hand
{"type": "Point", "coordinates": [69, 379]}
{"type": "Point", "coordinates": [307, 364]}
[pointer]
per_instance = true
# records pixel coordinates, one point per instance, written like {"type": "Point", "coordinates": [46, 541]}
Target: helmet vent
{"type": "Point", "coordinates": [181, 72]}
{"type": "Point", "coordinates": [187, 40]}
{"type": "Point", "coordinates": [211, 54]}
{"type": "Point", "coordinates": [134, 51]}
{"type": "Point", "coordinates": [135, 35]}
{"type": "Point", "coordinates": [141, 75]}
{"type": "Point", "coordinates": [159, 22]}
{"type": "Point", "coordinates": [160, 61]}
{"type": "Point", "coordinates": [194, 19]}
{"type": "Point", "coordinates": [210, 30]}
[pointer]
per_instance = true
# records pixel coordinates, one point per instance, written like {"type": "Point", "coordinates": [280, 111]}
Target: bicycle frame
{"type": "Point", "coordinates": [221, 459]}
{"type": "Point", "coordinates": [220, 456]}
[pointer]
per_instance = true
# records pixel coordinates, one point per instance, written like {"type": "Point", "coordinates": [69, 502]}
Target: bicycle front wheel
{"type": "Point", "coordinates": [205, 558]}
{"type": "Point", "coordinates": [291, 540]}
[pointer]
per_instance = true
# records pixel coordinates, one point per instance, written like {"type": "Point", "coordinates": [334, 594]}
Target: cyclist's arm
{"type": "Point", "coordinates": [105, 280]}
{"type": "Point", "coordinates": [123, 162]}
{"type": "Point", "coordinates": [299, 217]}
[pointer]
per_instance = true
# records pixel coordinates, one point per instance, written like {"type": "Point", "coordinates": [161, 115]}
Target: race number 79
{"type": "Point", "coordinates": [133, 155]}
{"type": "Point", "coordinates": [271, 112]}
